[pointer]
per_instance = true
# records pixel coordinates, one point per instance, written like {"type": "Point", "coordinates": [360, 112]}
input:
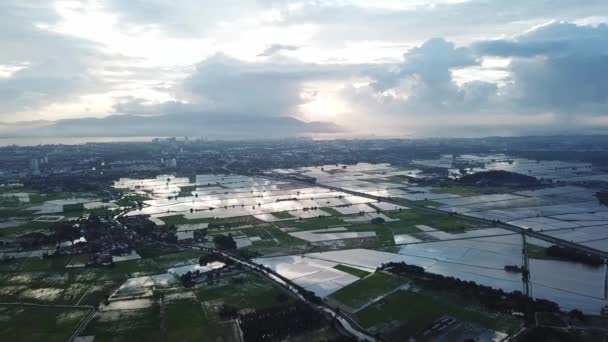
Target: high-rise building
{"type": "Point", "coordinates": [169, 162]}
{"type": "Point", "coordinates": [35, 166]}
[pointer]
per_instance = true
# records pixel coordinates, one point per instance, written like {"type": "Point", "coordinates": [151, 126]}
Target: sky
{"type": "Point", "coordinates": [383, 67]}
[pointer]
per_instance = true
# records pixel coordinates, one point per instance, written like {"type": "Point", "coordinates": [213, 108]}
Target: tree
{"type": "Point", "coordinates": [65, 231]}
{"type": "Point", "coordinates": [224, 242]}
{"type": "Point", "coordinates": [378, 220]}
{"type": "Point", "coordinates": [282, 297]}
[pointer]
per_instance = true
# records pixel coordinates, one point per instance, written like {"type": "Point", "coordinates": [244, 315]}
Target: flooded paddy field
{"type": "Point", "coordinates": [326, 240]}
{"type": "Point", "coordinates": [478, 253]}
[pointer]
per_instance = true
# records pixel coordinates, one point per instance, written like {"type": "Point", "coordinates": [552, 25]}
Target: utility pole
{"type": "Point", "coordinates": [605, 307]}
{"type": "Point", "coordinates": [525, 268]}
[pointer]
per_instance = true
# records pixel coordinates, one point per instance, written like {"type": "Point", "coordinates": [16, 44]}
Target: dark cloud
{"type": "Point", "coordinates": [556, 68]}
{"type": "Point", "coordinates": [430, 63]}
{"type": "Point", "coordinates": [559, 67]}
{"type": "Point", "coordinates": [423, 81]}
{"type": "Point", "coordinates": [557, 39]}
{"type": "Point", "coordinates": [138, 106]}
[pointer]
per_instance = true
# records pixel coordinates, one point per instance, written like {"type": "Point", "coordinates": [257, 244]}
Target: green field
{"type": "Point", "coordinates": [158, 264]}
{"type": "Point", "coordinates": [446, 223]}
{"type": "Point", "coordinates": [331, 211]}
{"type": "Point", "coordinates": [126, 325]}
{"type": "Point", "coordinates": [351, 270]}
{"type": "Point", "coordinates": [365, 290]}
{"type": "Point", "coordinates": [73, 207]}
{"type": "Point", "coordinates": [283, 215]}
{"type": "Point", "coordinates": [416, 310]}
{"type": "Point", "coordinates": [536, 252]}
{"type": "Point", "coordinates": [155, 249]}
{"type": "Point", "coordinates": [38, 198]}
{"type": "Point", "coordinates": [186, 191]}
{"type": "Point", "coordinates": [457, 190]}
{"type": "Point", "coordinates": [180, 219]}
{"type": "Point", "coordinates": [33, 324]}
{"type": "Point", "coordinates": [187, 321]}
{"type": "Point", "coordinates": [44, 281]}
{"type": "Point", "coordinates": [316, 223]}
{"type": "Point", "coordinates": [184, 321]}
{"type": "Point", "coordinates": [285, 240]}
{"type": "Point", "coordinates": [260, 231]}
{"type": "Point", "coordinates": [250, 291]}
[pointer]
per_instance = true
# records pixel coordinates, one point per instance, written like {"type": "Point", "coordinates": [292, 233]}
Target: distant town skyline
{"type": "Point", "coordinates": [353, 67]}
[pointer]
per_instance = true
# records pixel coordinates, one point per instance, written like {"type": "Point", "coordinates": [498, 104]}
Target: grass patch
{"type": "Point", "coordinates": [180, 219]}
{"type": "Point", "coordinates": [29, 324]}
{"type": "Point", "coordinates": [384, 234]}
{"type": "Point", "coordinates": [537, 252]}
{"type": "Point", "coordinates": [457, 190]}
{"type": "Point", "coordinates": [186, 191]}
{"type": "Point", "coordinates": [68, 208]}
{"type": "Point", "coordinates": [16, 212]}
{"type": "Point", "coordinates": [185, 320]}
{"type": "Point", "coordinates": [318, 223]}
{"type": "Point", "coordinates": [419, 309]}
{"type": "Point", "coordinates": [283, 215]}
{"type": "Point", "coordinates": [351, 270]}
{"type": "Point", "coordinates": [261, 244]}
{"type": "Point", "coordinates": [155, 249]}
{"type": "Point", "coordinates": [131, 199]}
{"type": "Point", "coordinates": [38, 198]}
{"type": "Point", "coordinates": [331, 211]}
{"type": "Point", "coordinates": [250, 291]}
{"type": "Point", "coordinates": [126, 325]}
{"type": "Point", "coordinates": [257, 231]}
{"type": "Point", "coordinates": [158, 264]}
{"type": "Point", "coordinates": [427, 203]}
{"type": "Point", "coordinates": [284, 238]}
{"type": "Point", "coordinates": [363, 291]}
{"type": "Point", "coordinates": [446, 223]}
{"type": "Point", "coordinates": [35, 264]}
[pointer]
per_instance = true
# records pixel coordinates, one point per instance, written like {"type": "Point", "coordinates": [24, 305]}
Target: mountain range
{"type": "Point", "coordinates": [194, 124]}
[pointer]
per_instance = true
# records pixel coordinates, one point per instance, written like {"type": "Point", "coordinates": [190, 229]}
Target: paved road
{"type": "Point", "coordinates": [83, 324]}
{"type": "Point", "coordinates": [50, 305]}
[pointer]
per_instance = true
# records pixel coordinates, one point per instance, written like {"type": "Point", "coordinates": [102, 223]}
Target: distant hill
{"type": "Point", "coordinates": [208, 125]}
{"type": "Point", "coordinates": [498, 178]}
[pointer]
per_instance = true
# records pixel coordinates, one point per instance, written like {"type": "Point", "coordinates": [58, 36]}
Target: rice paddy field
{"type": "Point", "coordinates": [24, 211]}
{"type": "Point", "coordinates": [291, 218]}
{"type": "Point", "coordinates": [32, 323]}
{"type": "Point", "coordinates": [328, 237]}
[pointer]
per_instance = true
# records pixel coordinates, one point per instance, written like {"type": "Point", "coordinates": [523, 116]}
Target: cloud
{"type": "Point", "coordinates": [277, 48]}
{"type": "Point", "coordinates": [222, 83]}
{"type": "Point", "coordinates": [551, 73]}
{"type": "Point", "coordinates": [558, 67]}
{"type": "Point", "coordinates": [555, 73]}
{"type": "Point", "coordinates": [183, 18]}
{"type": "Point", "coordinates": [55, 67]}
{"type": "Point", "coordinates": [462, 21]}
{"type": "Point", "coordinates": [423, 83]}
